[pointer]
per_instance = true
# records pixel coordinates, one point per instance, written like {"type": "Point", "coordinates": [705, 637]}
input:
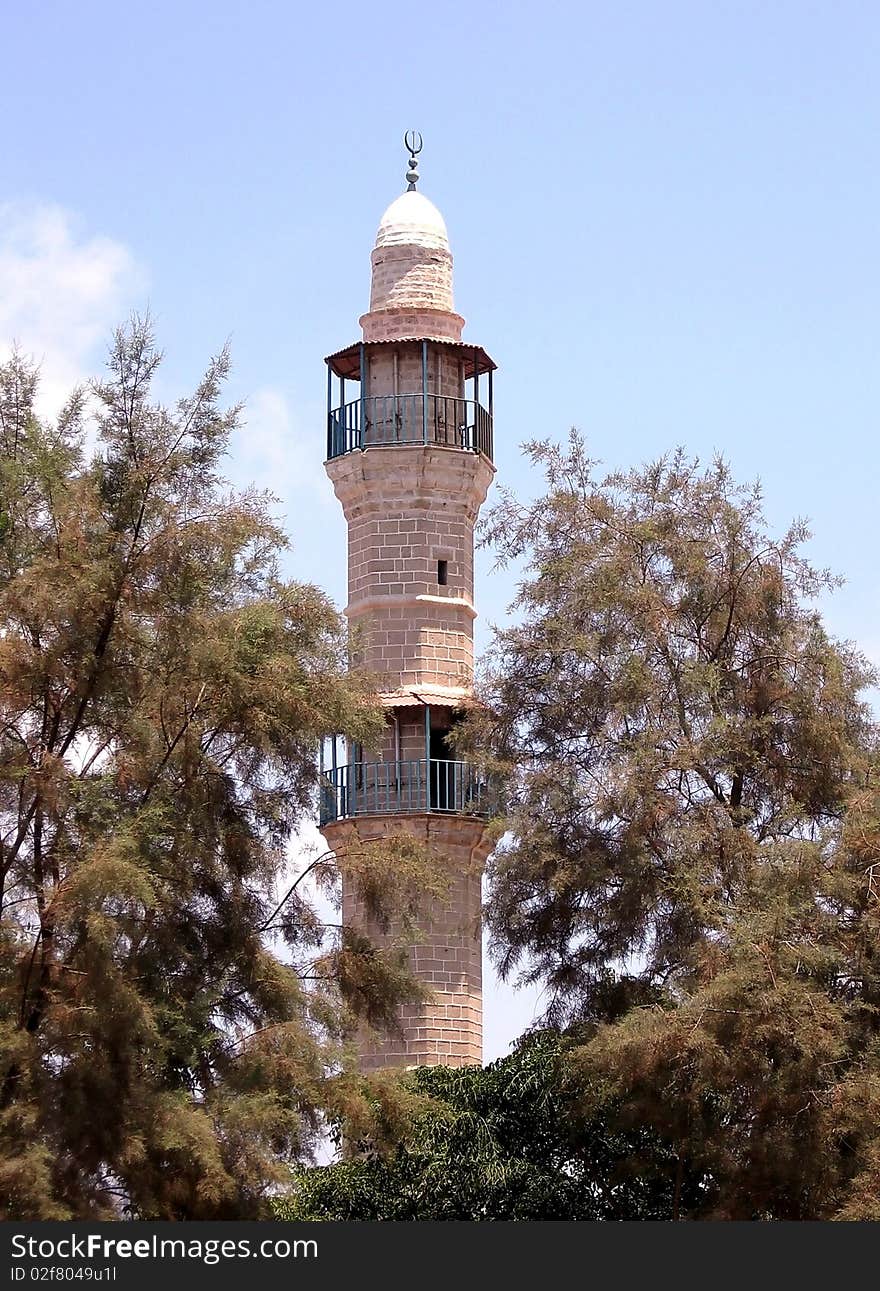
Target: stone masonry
{"type": "Point", "coordinates": [408, 508]}
{"type": "Point", "coordinates": [447, 958]}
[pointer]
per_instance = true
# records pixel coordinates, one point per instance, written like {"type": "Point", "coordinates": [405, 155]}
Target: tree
{"type": "Point", "coordinates": [505, 1142]}
{"type": "Point", "coordinates": [693, 827]}
{"type": "Point", "coordinates": [763, 1077]}
{"type": "Point", "coordinates": [170, 1031]}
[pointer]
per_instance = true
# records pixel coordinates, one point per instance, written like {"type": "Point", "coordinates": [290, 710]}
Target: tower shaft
{"type": "Point", "coordinates": [410, 461]}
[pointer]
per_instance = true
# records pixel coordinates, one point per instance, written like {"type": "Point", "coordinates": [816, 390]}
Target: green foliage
{"type": "Point", "coordinates": [766, 1074]}
{"type": "Point", "coordinates": [669, 707]}
{"type": "Point", "coordinates": [170, 1032]}
{"type": "Point", "coordinates": [694, 830]}
{"type": "Point", "coordinates": [505, 1142]}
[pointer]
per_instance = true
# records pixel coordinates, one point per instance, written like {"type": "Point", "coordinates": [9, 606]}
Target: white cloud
{"type": "Point", "coordinates": [61, 293]}
{"type": "Point", "coordinates": [273, 452]}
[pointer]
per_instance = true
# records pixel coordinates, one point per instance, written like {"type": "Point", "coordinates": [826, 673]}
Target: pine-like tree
{"type": "Point", "coordinates": [694, 840]}
{"type": "Point", "coordinates": [169, 1029]}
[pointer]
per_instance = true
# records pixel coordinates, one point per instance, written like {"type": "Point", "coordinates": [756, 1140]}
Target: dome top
{"type": "Point", "coordinates": [414, 221]}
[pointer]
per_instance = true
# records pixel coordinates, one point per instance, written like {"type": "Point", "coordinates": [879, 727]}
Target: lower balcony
{"type": "Point", "coordinates": [405, 788]}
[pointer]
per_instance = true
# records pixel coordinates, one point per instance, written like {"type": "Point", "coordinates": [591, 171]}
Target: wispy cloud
{"type": "Point", "coordinates": [272, 451]}
{"type": "Point", "coordinates": [61, 292]}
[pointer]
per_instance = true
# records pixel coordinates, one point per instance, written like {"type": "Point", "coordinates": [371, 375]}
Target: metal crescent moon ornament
{"type": "Point", "coordinates": [412, 141]}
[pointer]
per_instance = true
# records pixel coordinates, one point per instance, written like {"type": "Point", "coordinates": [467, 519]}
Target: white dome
{"type": "Point", "coordinates": [412, 220]}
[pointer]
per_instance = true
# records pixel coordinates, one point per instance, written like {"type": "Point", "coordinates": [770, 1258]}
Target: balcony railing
{"type": "Point", "coordinates": [403, 788]}
{"type": "Point", "coordinates": [409, 419]}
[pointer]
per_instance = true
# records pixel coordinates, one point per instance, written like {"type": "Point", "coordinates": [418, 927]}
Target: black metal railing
{"type": "Point", "coordinates": [402, 788]}
{"type": "Point", "coordinates": [409, 419]}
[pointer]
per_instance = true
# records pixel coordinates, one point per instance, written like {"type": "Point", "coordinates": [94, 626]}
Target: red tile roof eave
{"type": "Point", "coordinates": [351, 371]}
{"type": "Point", "coordinates": [419, 697]}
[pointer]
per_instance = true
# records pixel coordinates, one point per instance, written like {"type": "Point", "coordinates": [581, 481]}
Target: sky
{"type": "Point", "coordinates": [664, 218]}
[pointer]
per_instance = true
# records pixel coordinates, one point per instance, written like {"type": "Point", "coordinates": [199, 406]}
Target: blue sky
{"type": "Point", "coordinates": [664, 217]}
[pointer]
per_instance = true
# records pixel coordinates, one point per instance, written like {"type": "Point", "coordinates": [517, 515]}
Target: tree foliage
{"type": "Point", "coordinates": [691, 863]}
{"type": "Point", "coordinates": [504, 1142]}
{"type": "Point", "coordinates": [170, 1031]}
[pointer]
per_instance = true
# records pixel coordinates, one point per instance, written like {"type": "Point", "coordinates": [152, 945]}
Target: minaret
{"type": "Point", "coordinates": [409, 451]}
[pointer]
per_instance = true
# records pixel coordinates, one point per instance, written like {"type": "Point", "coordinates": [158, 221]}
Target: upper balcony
{"type": "Point", "coordinates": [382, 420]}
{"type": "Point", "coordinates": [420, 412]}
{"type": "Point", "coordinates": [406, 788]}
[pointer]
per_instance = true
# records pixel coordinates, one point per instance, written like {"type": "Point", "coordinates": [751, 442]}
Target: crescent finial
{"type": "Point", "coordinates": [412, 141]}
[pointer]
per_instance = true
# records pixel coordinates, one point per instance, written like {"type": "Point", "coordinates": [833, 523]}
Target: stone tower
{"type": "Point", "coordinates": [409, 452]}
